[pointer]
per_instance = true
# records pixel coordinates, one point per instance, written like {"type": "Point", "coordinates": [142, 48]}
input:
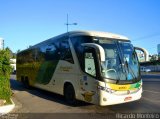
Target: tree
{"type": "Point", "coordinates": [154, 58]}
{"type": "Point", "coordinates": [18, 51]}
{"type": "Point", "coordinates": [5, 70]}
{"type": "Point", "coordinates": [12, 55]}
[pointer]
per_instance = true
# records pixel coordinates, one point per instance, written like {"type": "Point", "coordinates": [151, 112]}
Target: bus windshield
{"type": "Point", "coordinates": [121, 62]}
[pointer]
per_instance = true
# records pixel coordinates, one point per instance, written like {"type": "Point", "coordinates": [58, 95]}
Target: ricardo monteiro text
{"type": "Point", "coordinates": [125, 116]}
{"type": "Point", "coordinates": [148, 115]}
{"type": "Point", "coordinates": [137, 116]}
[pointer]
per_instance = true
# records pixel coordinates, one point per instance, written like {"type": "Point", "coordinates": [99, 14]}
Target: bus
{"type": "Point", "coordinates": [96, 67]}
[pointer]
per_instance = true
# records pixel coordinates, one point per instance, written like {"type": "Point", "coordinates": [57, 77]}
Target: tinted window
{"type": "Point", "coordinates": [77, 41]}
{"type": "Point", "coordinates": [51, 52]}
{"type": "Point", "coordinates": [65, 51]}
{"type": "Point", "coordinates": [26, 56]}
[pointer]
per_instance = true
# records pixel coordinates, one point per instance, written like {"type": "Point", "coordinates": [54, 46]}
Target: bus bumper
{"type": "Point", "coordinates": [112, 99]}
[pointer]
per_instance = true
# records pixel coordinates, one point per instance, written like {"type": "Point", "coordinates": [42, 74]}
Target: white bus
{"type": "Point", "coordinates": [96, 67]}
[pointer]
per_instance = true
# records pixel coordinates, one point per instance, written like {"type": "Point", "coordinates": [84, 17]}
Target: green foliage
{"type": "Point", "coordinates": [5, 70]}
{"type": "Point", "coordinates": [153, 59]}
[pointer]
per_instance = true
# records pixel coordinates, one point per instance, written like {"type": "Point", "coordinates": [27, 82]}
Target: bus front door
{"type": "Point", "coordinates": [88, 78]}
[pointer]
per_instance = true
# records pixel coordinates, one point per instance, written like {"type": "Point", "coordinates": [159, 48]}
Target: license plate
{"type": "Point", "coordinates": [127, 98]}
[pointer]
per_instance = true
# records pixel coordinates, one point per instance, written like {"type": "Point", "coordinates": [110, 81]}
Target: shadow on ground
{"type": "Point", "coordinates": [18, 86]}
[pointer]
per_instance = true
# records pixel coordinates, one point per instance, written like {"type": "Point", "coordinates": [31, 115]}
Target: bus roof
{"type": "Point", "coordinates": [88, 33]}
{"type": "Point", "coordinates": [98, 34]}
{"type": "Point", "coordinates": [84, 33]}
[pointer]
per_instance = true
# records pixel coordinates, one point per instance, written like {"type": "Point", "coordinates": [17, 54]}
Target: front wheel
{"type": "Point", "coordinates": [69, 95]}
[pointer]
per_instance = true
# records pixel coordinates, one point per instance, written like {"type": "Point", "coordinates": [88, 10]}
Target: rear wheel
{"type": "Point", "coordinates": [26, 83]}
{"type": "Point", "coordinates": [69, 94]}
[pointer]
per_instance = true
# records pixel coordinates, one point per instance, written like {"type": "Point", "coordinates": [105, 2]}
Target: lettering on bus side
{"type": "Point", "coordinates": [67, 69]}
{"type": "Point", "coordinates": [122, 88]}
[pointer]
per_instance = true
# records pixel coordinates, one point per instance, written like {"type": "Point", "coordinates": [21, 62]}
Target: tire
{"type": "Point", "coordinates": [69, 94]}
{"type": "Point", "coordinates": [26, 83]}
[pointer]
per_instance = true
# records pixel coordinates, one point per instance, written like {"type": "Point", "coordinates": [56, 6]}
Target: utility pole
{"type": "Point", "coordinates": [67, 24]}
{"type": "Point", "coordinates": [3, 43]}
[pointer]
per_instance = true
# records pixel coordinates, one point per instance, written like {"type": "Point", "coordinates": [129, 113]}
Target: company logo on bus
{"type": "Point", "coordinates": [122, 88]}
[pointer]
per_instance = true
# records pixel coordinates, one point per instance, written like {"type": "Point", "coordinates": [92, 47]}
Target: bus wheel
{"type": "Point", "coordinates": [69, 94]}
{"type": "Point", "coordinates": [26, 83]}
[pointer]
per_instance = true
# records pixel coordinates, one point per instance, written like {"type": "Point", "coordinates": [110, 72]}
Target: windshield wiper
{"type": "Point", "coordinates": [129, 68]}
{"type": "Point", "coordinates": [121, 60]}
{"type": "Point", "coordinates": [122, 66]}
{"type": "Point", "coordinates": [126, 64]}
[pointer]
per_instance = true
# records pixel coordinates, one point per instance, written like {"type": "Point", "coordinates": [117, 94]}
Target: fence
{"type": "Point", "coordinates": [154, 68]}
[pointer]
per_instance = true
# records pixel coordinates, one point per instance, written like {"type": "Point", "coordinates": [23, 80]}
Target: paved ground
{"type": "Point", "coordinates": [38, 101]}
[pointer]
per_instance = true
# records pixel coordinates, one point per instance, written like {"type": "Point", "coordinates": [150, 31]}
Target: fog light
{"type": "Point", "coordinates": [104, 99]}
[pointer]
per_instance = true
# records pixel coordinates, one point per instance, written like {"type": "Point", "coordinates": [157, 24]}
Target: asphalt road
{"type": "Point", "coordinates": [38, 101]}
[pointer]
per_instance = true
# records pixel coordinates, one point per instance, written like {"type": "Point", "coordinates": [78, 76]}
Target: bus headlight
{"type": "Point", "coordinates": [106, 89]}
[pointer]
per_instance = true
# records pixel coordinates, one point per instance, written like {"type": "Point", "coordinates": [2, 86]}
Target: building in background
{"type": "Point", "coordinates": [158, 49]}
{"type": "Point", "coordinates": [13, 65]}
{"type": "Point", "coordinates": [1, 44]}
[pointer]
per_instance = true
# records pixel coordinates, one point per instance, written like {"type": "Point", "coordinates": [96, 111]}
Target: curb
{"type": "Point", "coordinates": [7, 108]}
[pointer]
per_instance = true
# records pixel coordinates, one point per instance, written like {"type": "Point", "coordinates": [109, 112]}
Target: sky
{"type": "Point", "coordinates": [28, 22]}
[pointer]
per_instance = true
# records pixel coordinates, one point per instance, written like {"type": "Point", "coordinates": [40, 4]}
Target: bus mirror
{"type": "Point", "coordinates": [102, 53]}
{"type": "Point", "coordinates": [144, 52]}
{"type": "Point", "coordinates": [98, 49]}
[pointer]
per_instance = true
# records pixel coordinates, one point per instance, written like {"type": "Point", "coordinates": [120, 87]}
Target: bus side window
{"type": "Point", "coordinates": [66, 52]}
{"type": "Point", "coordinates": [51, 52]}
